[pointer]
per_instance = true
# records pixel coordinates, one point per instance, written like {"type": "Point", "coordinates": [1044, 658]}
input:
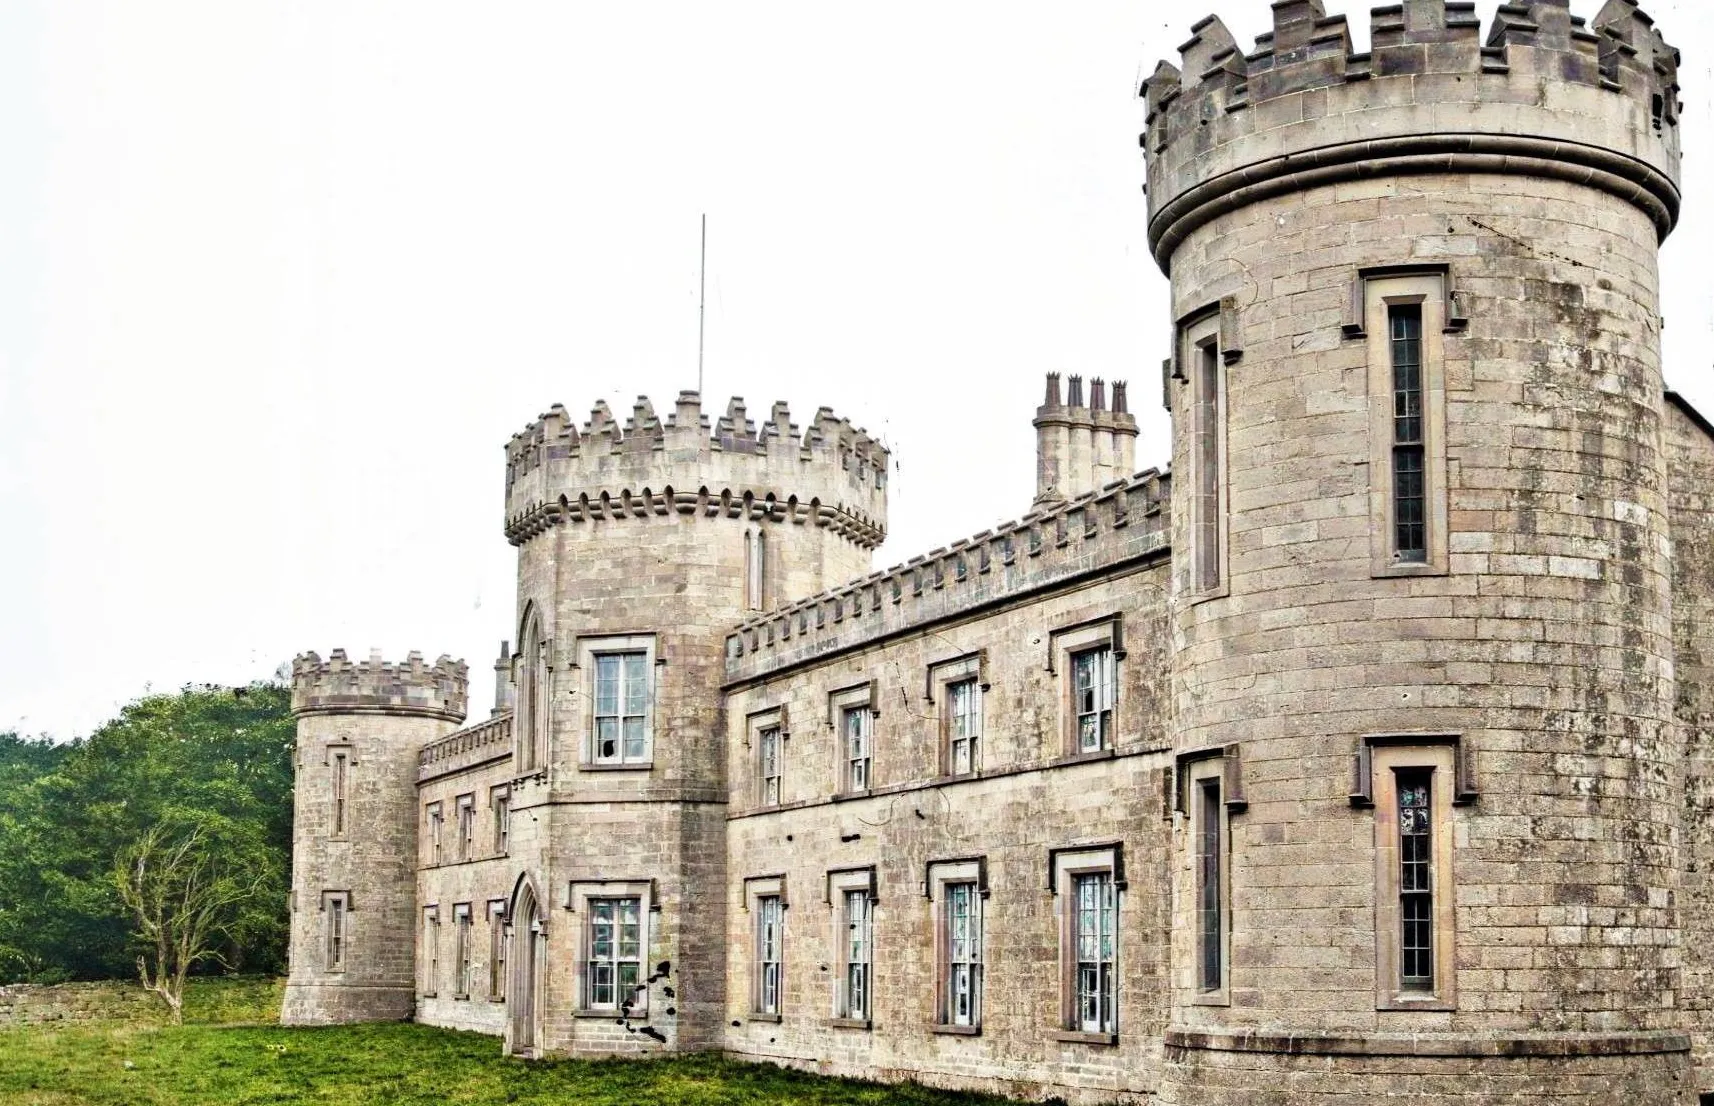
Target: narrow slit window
{"type": "Point", "coordinates": [1410, 492]}
{"type": "Point", "coordinates": [1416, 879]}
{"type": "Point", "coordinates": [770, 918]}
{"type": "Point", "coordinates": [502, 804]}
{"type": "Point", "coordinates": [466, 826]}
{"type": "Point", "coordinates": [462, 952]}
{"type": "Point", "coordinates": [431, 951]}
{"type": "Point", "coordinates": [336, 935]}
{"type": "Point", "coordinates": [497, 949]}
{"type": "Point", "coordinates": [339, 793]}
{"type": "Point", "coordinates": [1208, 475]}
{"type": "Point", "coordinates": [1210, 935]}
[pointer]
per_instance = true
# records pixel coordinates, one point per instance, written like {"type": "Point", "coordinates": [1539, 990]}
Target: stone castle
{"type": "Point", "coordinates": [1367, 756]}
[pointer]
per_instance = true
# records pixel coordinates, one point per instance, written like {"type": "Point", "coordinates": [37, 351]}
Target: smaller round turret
{"type": "Point", "coordinates": [354, 852]}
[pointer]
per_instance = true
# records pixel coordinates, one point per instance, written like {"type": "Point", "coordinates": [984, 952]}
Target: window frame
{"type": "Point", "coordinates": [1199, 777]}
{"type": "Point", "coordinates": [859, 701]}
{"type": "Point", "coordinates": [1067, 866]}
{"type": "Point", "coordinates": [1426, 290]}
{"type": "Point", "coordinates": [757, 726]}
{"type": "Point", "coordinates": [499, 949]}
{"type": "Point", "coordinates": [846, 887]}
{"type": "Point", "coordinates": [465, 807]}
{"type": "Point", "coordinates": [943, 877]}
{"type": "Point", "coordinates": [336, 931]}
{"type": "Point", "coordinates": [1067, 645]}
{"type": "Point", "coordinates": [581, 899]}
{"type": "Point", "coordinates": [532, 680]}
{"type": "Point", "coordinates": [1385, 762]}
{"type": "Point", "coordinates": [429, 983]}
{"type": "Point", "coordinates": [1202, 357]}
{"type": "Point", "coordinates": [944, 678]}
{"type": "Point", "coordinates": [765, 899]}
{"type": "Point", "coordinates": [435, 814]}
{"type": "Point", "coordinates": [462, 953]}
{"type": "Point", "coordinates": [339, 759]}
{"type": "Point", "coordinates": [590, 651]}
{"type": "Point", "coordinates": [500, 805]}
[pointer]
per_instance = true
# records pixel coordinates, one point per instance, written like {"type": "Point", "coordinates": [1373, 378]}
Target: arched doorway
{"type": "Point", "coordinates": [529, 945]}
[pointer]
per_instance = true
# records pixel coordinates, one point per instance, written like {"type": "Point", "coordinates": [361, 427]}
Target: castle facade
{"type": "Point", "coordinates": [1367, 755]}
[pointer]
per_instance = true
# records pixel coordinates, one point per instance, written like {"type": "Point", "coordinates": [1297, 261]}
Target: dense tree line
{"type": "Point", "coordinates": [213, 763]}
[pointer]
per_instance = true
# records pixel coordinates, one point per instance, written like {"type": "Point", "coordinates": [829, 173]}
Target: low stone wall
{"type": "Point", "coordinates": [211, 1001]}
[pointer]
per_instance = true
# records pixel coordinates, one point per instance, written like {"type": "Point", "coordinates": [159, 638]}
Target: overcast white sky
{"type": "Point", "coordinates": [278, 281]}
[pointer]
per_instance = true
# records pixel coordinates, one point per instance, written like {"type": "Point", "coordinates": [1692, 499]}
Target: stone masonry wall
{"type": "Point", "coordinates": [1030, 796]}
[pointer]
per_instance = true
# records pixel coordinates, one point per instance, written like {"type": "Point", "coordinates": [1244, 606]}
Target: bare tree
{"type": "Point", "coordinates": [184, 902]}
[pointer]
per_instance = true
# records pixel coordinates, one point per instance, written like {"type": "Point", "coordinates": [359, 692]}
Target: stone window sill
{"type": "Point", "coordinates": [1077, 1037]}
{"type": "Point", "coordinates": [1107, 753]}
{"type": "Point", "coordinates": [429, 994]}
{"type": "Point", "coordinates": [461, 998]}
{"type": "Point", "coordinates": [848, 796]}
{"type": "Point", "coordinates": [633, 766]}
{"type": "Point", "coordinates": [772, 1019]}
{"type": "Point", "coordinates": [850, 1023]}
{"type": "Point", "coordinates": [957, 1030]}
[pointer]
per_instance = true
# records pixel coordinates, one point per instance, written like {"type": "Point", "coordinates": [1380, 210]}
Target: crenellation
{"type": "Point", "coordinates": [336, 685]}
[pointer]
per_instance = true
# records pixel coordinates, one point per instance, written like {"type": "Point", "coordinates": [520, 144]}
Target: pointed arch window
{"type": "Point", "coordinates": [530, 721]}
{"type": "Point", "coordinates": [755, 570]}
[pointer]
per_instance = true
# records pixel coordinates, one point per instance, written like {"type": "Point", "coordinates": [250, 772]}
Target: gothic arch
{"type": "Point", "coordinates": [530, 719]}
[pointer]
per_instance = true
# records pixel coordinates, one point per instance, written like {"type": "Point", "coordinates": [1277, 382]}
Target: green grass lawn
{"type": "Point", "coordinates": [127, 1064]}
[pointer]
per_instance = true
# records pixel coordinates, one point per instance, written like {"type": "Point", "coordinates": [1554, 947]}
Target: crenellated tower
{"type": "Point", "coordinates": [354, 830]}
{"type": "Point", "coordinates": [1422, 602]}
{"type": "Point", "coordinates": [639, 545]}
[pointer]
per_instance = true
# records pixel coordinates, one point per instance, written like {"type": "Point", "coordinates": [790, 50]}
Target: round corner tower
{"type": "Point", "coordinates": [1422, 581]}
{"type": "Point", "coordinates": [354, 848]}
{"type": "Point", "coordinates": [639, 547]}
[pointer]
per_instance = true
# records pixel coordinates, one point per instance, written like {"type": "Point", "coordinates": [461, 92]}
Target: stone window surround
{"type": "Point", "coordinates": [433, 814]}
{"type": "Point", "coordinates": [498, 960]}
{"type": "Point", "coordinates": [1214, 327]}
{"type": "Point", "coordinates": [1063, 864]}
{"type": "Point", "coordinates": [1374, 291]}
{"type": "Point", "coordinates": [757, 888]}
{"type": "Point", "coordinates": [328, 898]}
{"type": "Point", "coordinates": [840, 882]}
{"type": "Point", "coordinates": [463, 955]}
{"type": "Point", "coordinates": [1218, 769]}
{"type": "Point", "coordinates": [500, 803]}
{"type": "Point", "coordinates": [937, 874]}
{"type": "Point", "coordinates": [339, 829]}
{"type": "Point", "coordinates": [577, 895]}
{"type": "Point", "coordinates": [1065, 642]}
{"type": "Point", "coordinates": [852, 697]}
{"type": "Point", "coordinates": [429, 961]}
{"type": "Point", "coordinates": [941, 675]}
{"type": "Point", "coordinates": [775, 717]}
{"type": "Point", "coordinates": [532, 679]}
{"type": "Point", "coordinates": [1378, 759]}
{"type": "Point", "coordinates": [465, 805]}
{"type": "Point", "coordinates": [589, 646]}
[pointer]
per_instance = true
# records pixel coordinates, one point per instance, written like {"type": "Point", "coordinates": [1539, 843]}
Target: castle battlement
{"type": "Point", "coordinates": [1544, 93]}
{"type": "Point", "coordinates": [1125, 521]}
{"type": "Point", "coordinates": [374, 686]}
{"type": "Point", "coordinates": [831, 474]}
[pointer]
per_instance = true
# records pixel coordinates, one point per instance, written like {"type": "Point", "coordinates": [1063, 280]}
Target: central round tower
{"type": "Point", "coordinates": [1422, 603]}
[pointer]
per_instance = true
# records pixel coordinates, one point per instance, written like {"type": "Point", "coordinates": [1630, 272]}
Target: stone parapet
{"type": "Point", "coordinates": [464, 749]}
{"type": "Point", "coordinates": [833, 474]}
{"type": "Point", "coordinates": [337, 686]}
{"type": "Point", "coordinates": [1543, 94]}
{"type": "Point", "coordinates": [1124, 521]}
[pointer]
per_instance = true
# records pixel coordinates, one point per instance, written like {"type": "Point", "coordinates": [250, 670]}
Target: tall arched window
{"type": "Point", "coordinates": [530, 720]}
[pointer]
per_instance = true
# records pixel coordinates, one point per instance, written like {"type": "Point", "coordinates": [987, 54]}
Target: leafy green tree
{"type": "Point", "coordinates": [216, 758]}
